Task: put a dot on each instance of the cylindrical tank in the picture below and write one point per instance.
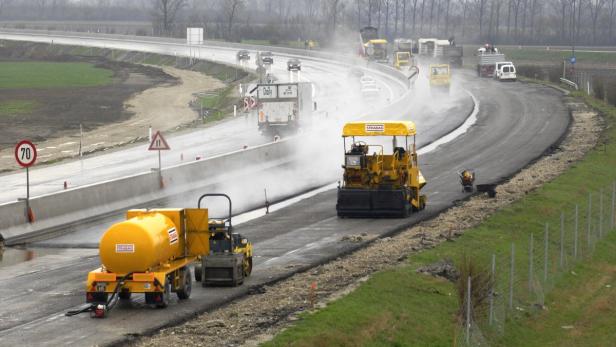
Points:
(140, 243)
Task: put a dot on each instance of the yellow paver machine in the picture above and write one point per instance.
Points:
(379, 181)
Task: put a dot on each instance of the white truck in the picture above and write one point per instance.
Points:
(283, 107)
(486, 63)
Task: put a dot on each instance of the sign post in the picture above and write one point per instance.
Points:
(159, 144)
(25, 155)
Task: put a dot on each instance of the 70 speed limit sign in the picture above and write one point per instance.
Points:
(25, 153)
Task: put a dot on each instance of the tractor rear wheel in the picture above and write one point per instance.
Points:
(198, 273)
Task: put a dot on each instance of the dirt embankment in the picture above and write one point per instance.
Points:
(121, 112)
(258, 317)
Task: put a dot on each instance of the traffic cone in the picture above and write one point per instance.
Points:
(30, 215)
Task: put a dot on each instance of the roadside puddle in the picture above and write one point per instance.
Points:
(16, 255)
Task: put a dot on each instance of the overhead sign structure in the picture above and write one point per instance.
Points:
(25, 154)
(159, 144)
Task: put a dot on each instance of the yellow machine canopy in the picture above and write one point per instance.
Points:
(378, 41)
(379, 128)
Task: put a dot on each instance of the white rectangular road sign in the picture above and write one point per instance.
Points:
(267, 92)
(287, 91)
(194, 36)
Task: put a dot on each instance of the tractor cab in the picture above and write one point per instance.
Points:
(381, 172)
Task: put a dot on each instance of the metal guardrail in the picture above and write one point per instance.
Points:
(569, 83)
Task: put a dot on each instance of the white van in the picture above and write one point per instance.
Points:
(507, 73)
(498, 66)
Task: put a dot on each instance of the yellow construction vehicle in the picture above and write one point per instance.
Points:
(373, 47)
(375, 183)
(403, 60)
(440, 76)
(151, 252)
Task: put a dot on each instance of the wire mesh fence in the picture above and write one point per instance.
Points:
(526, 271)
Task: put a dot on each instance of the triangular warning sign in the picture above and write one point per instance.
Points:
(158, 143)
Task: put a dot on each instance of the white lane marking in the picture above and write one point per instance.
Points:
(472, 119)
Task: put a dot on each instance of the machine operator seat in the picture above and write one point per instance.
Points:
(358, 148)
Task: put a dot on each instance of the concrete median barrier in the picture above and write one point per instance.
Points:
(59, 210)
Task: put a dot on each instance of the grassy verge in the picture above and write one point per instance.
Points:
(218, 103)
(17, 107)
(582, 308)
(14, 75)
(540, 54)
(402, 307)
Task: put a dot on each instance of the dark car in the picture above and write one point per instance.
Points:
(267, 58)
(356, 72)
(243, 55)
(294, 65)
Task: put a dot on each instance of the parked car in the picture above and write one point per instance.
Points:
(294, 65)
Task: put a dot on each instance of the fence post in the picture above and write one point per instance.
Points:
(601, 213)
(612, 221)
(511, 274)
(545, 253)
(575, 233)
(491, 317)
(530, 264)
(562, 239)
(589, 219)
(468, 310)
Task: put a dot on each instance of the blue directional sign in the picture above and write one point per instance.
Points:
(573, 60)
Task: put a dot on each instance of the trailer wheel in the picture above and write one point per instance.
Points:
(184, 292)
(165, 295)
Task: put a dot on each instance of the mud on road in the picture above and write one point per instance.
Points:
(268, 310)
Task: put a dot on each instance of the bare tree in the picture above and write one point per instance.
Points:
(231, 9)
(611, 21)
(414, 14)
(595, 7)
(3, 4)
(165, 12)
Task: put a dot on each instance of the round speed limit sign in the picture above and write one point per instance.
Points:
(25, 153)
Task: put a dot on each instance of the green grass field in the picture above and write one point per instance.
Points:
(17, 107)
(542, 55)
(403, 308)
(25, 75)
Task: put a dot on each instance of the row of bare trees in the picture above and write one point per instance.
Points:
(499, 21)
